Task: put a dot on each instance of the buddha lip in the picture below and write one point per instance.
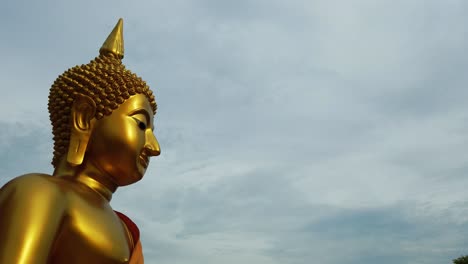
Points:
(144, 160)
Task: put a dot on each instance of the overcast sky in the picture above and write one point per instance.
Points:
(292, 132)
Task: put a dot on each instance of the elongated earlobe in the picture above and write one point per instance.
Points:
(82, 115)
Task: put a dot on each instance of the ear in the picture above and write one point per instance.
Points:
(82, 123)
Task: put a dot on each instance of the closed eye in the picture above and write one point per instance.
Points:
(141, 114)
(140, 124)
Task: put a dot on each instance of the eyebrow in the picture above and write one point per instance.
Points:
(143, 112)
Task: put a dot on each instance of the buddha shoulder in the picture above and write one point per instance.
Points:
(31, 204)
(33, 185)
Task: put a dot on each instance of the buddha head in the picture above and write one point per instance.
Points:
(102, 114)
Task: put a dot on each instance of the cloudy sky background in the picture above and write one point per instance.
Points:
(292, 132)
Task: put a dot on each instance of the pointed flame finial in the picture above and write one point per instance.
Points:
(114, 42)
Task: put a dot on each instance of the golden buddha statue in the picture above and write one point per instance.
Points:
(102, 119)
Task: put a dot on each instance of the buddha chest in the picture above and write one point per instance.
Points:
(91, 232)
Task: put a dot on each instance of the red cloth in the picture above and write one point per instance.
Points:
(137, 254)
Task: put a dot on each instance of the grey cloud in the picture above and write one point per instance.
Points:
(25, 148)
(362, 235)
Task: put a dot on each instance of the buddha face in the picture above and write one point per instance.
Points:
(121, 144)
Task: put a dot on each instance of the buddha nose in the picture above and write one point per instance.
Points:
(152, 145)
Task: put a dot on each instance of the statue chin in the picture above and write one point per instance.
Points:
(103, 120)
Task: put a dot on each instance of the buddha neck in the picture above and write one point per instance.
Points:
(89, 175)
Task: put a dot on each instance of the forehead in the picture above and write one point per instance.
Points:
(134, 102)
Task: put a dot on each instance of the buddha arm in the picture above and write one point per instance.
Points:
(31, 210)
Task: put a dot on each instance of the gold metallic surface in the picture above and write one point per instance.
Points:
(102, 117)
(105, 80)
(114, 43)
